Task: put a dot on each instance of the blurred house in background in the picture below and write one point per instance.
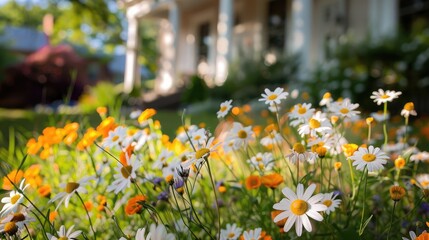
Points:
(204, 36)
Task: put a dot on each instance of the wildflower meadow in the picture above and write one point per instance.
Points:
(287, 171)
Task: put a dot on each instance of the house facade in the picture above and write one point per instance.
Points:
(204, 36)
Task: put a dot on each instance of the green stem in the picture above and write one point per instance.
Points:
(87, 213)
(352, 177)
(363, 201)
(216, 199)
(406, 132)
(391, 219)
(385, 124)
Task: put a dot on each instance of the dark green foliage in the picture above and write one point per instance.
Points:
(248, 77)
(196, 90)
(356, 69)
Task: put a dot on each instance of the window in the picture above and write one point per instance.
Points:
(414, 13)
(203, 42)
(276, 25)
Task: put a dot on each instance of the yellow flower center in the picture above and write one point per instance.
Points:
(272, 97)
(258, 159)
(327, 203)
(223, 108)
(242, 134)
(71, 186)
(344, 110)
(10, 228)
(126, 171)
(302, 110)
(299, 148)
(115, 138)
(385, 96)
(200, 153)
(18, 217)
(198, 137)
(63, 238)
(327, 95)
(368, 157)
(261, 166)
(231, 235)
(299, 207)
(424, 183)
(409, 106)
(314, 123)
(15, 198)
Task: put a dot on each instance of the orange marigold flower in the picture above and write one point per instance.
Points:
(423, 236)
(44, 191)
(349, 149)
(106, 126)
(253, 182)
(235, 110)
(396, 193)
(134, 205)
(70, 138)
(337, 166)
(46, 152)
(32, 176)
(88, 139)
(102, 202)
(52, 216)
(71, 127)
(280, 223)
(33, 146)
(272, 180)
(102, 111)
(88, 205)
(146, 114)
(126, 154)
(400, 163)
(15, 176)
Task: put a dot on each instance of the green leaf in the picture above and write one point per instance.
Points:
(364, 225)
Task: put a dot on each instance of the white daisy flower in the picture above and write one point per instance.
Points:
(330, 202)
(181, 135)
(273, 138)
(274, 108)
(372, 158)
(297, 208)
(273, 97)
(301, 113)
(412, 236)
(135, 114)
(252, 234)
(159, 232)
(231, 232)
(241, 135)
(14, 223)
(224, 109)
(70, 189)
(423, 180)
(229, 146)
(262, 161)
(125, 175)
(420, 157)
(382, 96)
(344, 108)
(12, 202)
(408, 110)
(162, 159)
(299, 153)
(62, 234)
(379, 116)
(318, 124)
(326, 99)
(201, 152)
(115, 138)
(199, 137)
(140, 235)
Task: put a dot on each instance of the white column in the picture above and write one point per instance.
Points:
(224, 39)
(169, 41)
(132, 68)
(300, 32)
(383, 18)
